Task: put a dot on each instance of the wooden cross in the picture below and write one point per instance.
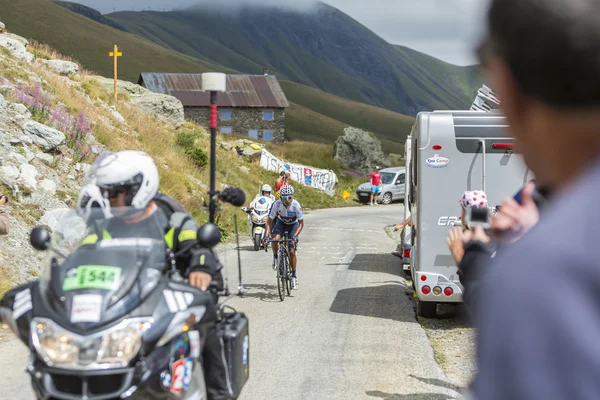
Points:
(115, 53)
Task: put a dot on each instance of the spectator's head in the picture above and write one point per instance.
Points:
(475, 199)
(543, 60)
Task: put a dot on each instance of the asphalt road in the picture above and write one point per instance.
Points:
(349, 332)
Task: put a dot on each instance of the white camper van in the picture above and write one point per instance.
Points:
(453, 151)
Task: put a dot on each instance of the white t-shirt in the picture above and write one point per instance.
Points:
(288, 216)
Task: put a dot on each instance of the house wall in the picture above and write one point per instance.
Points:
(242, 121)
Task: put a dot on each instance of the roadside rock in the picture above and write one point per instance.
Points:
(128, 87)
(9, 175)
(18, 38)
(48, 138)
(28, 175)
(63, 67)
(252, 153)
(48, 185)
(16, 48)
(359, 151)
(164, 107)
(20, 110)
(47, 158)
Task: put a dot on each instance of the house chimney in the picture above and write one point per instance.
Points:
(265, 71)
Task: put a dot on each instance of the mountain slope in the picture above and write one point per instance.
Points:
(324, 48)
(89, 42)
(90, 13)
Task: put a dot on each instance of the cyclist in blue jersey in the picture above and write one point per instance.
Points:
(289, 220)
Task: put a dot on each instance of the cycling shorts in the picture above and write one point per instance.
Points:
(280, 228)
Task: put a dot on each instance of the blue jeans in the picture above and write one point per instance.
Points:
(280, 228)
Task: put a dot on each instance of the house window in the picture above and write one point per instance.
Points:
(268, 115)
(226, 130)
(253, 134)
(267, 135)
(225, 115)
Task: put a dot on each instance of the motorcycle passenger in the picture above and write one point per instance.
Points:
(129, 180)
(290, 221)
(264, 192)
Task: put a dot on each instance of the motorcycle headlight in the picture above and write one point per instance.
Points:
(113, 347)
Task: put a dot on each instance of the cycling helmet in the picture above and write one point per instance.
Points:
(287, 190)
(266, 188)
(131, 170)
(91, 201)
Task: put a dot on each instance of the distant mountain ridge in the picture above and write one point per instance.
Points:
(325, 49)
(90, 13)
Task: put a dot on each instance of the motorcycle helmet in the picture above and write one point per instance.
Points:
(266, 188)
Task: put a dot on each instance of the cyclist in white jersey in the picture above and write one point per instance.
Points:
(290, 220)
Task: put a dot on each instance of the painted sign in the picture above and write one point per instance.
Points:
(437, 162)
(316, 178)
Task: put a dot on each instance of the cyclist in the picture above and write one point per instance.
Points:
(290, 221)
(264, 192)
(125, 184)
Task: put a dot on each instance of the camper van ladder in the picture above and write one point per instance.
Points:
(482, 142)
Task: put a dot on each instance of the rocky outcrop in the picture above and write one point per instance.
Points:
(61, 67)
(16, 47)
(48, 138)
(359, 151)
(161, 106)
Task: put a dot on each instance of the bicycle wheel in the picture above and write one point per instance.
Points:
(281, 278)
(288, 274)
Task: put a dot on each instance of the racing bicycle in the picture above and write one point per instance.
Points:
(284, 268)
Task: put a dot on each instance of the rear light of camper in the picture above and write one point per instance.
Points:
(437, 290)
(423, 278)
(407, 253)
(448, 291)
(437, 147)
(426, 289)
(502, 146)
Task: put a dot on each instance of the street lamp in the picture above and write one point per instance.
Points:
(213, 82)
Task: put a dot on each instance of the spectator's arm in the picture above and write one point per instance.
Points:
(476, 257)
(4, 225)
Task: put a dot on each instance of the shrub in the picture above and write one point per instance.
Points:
(198, 155)
(186, 139)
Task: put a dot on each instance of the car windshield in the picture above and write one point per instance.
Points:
(387, 178)
(118, 256)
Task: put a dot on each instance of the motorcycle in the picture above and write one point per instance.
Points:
(257, 221)
(112, 318)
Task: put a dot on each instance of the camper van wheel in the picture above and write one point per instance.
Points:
(426, 309)
(387, 198)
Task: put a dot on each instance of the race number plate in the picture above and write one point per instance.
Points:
(93, 277)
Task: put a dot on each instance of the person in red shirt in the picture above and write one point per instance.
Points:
(375, 186)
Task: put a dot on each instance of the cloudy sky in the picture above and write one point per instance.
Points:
(446, 29)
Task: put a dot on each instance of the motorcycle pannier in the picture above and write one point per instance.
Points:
(237, 349)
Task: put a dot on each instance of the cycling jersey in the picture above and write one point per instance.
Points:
(289, 215)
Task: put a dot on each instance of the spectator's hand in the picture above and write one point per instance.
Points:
(513, 220)
(456, 238)
(201, 280)
(478, 234)
(3, 199)
(397, 227)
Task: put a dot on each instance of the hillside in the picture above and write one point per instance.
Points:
(89, 42)
(324, 48)
(90, 13)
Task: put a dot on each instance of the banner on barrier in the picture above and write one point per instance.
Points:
(317, 178)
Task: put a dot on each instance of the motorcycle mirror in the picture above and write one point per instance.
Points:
(39, 238)
(209, 235)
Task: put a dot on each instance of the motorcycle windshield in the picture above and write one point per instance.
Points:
(103, 263)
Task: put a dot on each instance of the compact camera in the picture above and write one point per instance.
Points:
(475, 217)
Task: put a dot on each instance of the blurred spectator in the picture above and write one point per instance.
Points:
(538, 314)
(4, 221)
(376, 186)
(400, 226)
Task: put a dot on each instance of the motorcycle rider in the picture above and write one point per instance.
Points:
(291, 221)
(264, 192)
(130, 179)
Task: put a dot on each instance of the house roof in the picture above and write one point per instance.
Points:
(242, 90)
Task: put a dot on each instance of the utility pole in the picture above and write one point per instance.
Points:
(115, 53)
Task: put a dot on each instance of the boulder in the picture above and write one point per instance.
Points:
(48, 185)
(16, 48)
(19, 109)
(48, 138)
(47, 158)
(65, 221)
(359, 151)
(117, 115)
(9, 175)
(61, 67)
(251, 153)
(18, 158)
(127, 87)
(18, 38)
(162, 106)
(2, 27)
(28, 175)
(226, 146)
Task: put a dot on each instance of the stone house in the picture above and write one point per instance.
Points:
(253, 105)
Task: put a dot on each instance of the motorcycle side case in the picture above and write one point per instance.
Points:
(237, 349)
